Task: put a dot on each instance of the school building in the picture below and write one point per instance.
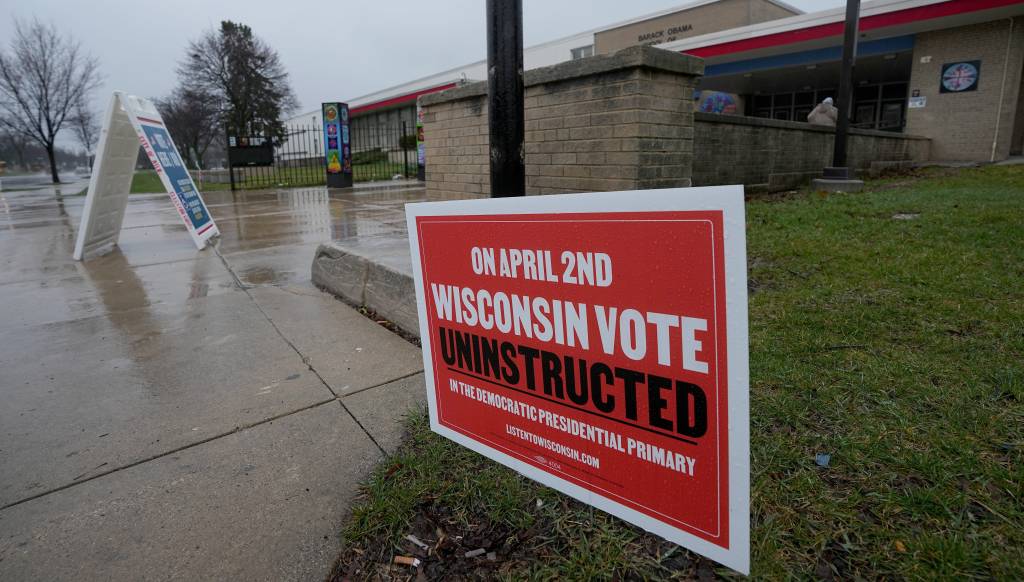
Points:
(948, 70)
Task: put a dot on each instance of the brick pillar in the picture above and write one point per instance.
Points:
(616, 122)
(456, 145)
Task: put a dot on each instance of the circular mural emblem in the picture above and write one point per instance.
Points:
(331, 112)
(959, 77)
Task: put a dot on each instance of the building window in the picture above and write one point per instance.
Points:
(583, 52)
(877, 106)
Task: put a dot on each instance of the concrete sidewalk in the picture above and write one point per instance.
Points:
(169, 413)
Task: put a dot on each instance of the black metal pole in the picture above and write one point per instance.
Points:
(506, 123)
(845, 96)
(403, 143)
(231, 168)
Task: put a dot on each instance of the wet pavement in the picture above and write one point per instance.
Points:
(371, 265)
(174, 413)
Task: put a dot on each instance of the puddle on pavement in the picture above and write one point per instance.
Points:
(261, 276)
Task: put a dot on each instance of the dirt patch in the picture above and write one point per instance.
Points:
(444, 549)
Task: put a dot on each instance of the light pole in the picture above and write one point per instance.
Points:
(839, 177)
(505, 117)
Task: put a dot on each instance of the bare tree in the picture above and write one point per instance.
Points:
(42, 77)
(244, 74)
(193, 118)
(86, 127)
(16, 144)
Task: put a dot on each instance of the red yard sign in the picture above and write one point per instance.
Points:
(598, 344)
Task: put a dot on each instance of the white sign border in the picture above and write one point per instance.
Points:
(135, 109)
(728, 200)
(142, 112)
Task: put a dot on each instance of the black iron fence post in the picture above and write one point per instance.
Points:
(403, 143)
(227, 149)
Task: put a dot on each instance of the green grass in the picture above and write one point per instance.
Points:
(282, 177)
(896, 346)
(380, 170)
(147, 182)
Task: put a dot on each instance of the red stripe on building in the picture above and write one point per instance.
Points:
(205, 228)
(148, 120)
(398, 100)
(951, 8)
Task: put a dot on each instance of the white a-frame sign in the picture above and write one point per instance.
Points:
(129, 121)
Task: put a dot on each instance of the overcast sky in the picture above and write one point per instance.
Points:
(332, 50)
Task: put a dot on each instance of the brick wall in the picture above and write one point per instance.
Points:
(626, 122)
(455, 140)
(616, 122)
(776, 155)
(963, 125)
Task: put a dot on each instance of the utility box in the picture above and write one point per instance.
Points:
(250, 150)
(337, 146)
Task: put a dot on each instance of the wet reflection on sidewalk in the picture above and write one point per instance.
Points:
(157, 325)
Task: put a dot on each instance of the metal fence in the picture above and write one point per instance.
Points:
(383, 152)
(295, 160)
(379, 152)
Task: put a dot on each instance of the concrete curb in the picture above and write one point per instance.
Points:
(364, 282)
